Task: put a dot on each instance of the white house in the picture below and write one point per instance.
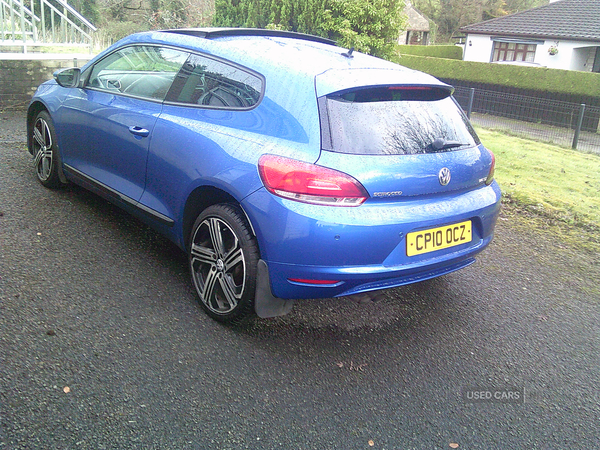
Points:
(562, 35)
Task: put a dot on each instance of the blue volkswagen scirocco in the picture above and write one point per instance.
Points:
(286, 167)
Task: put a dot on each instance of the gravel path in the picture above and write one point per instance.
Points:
(103, 346)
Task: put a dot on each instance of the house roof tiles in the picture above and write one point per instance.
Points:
(563, 19)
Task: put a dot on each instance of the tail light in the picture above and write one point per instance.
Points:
(490, 176)
(309, 183)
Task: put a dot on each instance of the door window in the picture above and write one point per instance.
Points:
(141, 71)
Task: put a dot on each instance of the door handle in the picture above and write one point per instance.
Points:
(139, 131)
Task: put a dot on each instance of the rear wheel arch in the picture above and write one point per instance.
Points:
(201, 198)
(223, 257)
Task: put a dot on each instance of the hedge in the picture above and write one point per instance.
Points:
(520, 77)
(436, 51)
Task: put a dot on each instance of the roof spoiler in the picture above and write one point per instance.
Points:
(211, 33)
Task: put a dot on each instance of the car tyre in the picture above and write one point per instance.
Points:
(223, 258)
(45, 150)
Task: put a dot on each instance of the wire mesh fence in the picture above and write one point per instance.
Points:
(558, 122)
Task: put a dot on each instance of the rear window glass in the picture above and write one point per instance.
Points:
(394, 121)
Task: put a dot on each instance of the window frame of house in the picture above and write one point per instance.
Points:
(513, 51)
(527, 48)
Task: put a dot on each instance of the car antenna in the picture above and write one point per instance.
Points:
(349, 54)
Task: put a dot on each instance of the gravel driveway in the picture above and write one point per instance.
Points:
(103, 346)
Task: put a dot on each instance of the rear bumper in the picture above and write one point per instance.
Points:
(363, 249)
(354, 280)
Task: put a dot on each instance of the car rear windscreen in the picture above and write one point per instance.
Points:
(394, 120)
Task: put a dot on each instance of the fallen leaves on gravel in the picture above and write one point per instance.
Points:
(351, 366)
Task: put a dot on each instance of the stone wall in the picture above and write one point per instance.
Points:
(19, 78)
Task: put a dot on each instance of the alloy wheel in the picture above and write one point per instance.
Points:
(218, 265)
(42, 149)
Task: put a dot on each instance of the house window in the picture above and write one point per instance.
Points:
(512, 51)
(416, 37)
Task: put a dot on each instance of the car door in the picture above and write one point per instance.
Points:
(108, 124)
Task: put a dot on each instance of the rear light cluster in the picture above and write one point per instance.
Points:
(490, 176)
(309, 183)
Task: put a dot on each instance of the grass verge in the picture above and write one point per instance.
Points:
(550, 180)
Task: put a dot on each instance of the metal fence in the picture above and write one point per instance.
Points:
(28, 24)
(558, 122)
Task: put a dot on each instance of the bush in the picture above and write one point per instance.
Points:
(370, 26)
(520, 77)
(436, 51)
(112, 31)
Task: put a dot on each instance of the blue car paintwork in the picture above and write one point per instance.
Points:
(367, 235)
(387, 173)
(96, 138)
(334, 80)
(188, 148)
(361, 245)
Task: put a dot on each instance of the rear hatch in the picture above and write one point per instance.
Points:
(402, 140)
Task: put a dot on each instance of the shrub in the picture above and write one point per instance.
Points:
(112, 31)
(436, 51)
(521, 77)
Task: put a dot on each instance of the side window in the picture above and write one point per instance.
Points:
(206, 82)
(140, 70)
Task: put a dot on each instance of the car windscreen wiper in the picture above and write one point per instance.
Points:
(442, 144)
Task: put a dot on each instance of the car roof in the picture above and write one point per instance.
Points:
(276, 53)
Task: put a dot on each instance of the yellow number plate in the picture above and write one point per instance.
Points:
(426, 241)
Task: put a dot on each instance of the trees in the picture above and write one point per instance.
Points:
(291, 15)
(87, 8)
(371, 26)
(119, 18)
(449, 15)
(513, 6)
(167, 13)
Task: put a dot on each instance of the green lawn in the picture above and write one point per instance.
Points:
(552, 180)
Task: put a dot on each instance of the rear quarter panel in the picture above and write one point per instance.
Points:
(193, 147)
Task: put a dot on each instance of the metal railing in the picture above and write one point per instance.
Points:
(42, 23)
(563, 123)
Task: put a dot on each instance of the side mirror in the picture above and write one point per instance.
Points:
(68, 78)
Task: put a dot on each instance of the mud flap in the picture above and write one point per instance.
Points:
(265, 304)
(61, 174)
